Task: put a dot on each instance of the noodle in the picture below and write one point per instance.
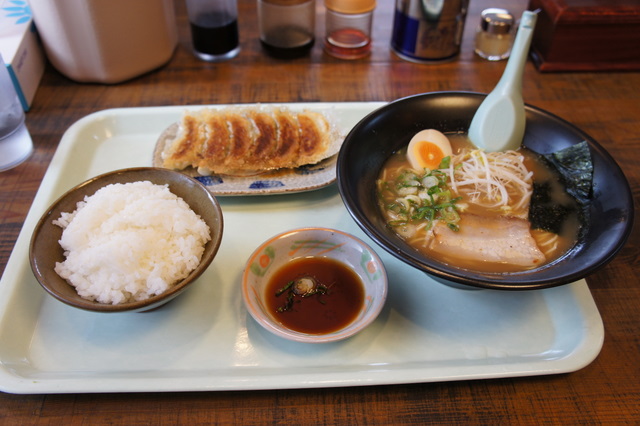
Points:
(547, 241)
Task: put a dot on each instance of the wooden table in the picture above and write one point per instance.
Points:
(605, 105)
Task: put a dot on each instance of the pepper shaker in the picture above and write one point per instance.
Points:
(494, 35)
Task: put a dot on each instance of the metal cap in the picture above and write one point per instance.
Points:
(496, 21)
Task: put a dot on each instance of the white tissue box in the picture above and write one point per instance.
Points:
(20, 49)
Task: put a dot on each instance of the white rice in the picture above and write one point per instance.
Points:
(128, 242)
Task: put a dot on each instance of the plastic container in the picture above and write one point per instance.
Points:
(106, 41)
(494, 35)
(348, 28)
(15, 142)
(287, 27)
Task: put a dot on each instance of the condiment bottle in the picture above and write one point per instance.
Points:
(214, 29)
(494, 35)
(348, 28)
(287, 27)
(428, 31)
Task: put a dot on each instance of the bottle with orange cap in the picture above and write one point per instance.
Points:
(348, 28)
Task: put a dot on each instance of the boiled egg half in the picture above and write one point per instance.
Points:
(427, 149)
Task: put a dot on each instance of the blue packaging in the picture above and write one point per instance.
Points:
(428, 30)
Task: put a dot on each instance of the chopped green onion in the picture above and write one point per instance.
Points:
(422, 198)
(285, 288)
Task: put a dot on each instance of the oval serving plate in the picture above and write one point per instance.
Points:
(281, 181)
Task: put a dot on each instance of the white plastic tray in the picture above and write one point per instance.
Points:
(205, 339)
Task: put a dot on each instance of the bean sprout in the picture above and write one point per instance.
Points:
(495, 180)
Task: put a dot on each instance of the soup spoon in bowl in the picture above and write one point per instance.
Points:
(499, 122)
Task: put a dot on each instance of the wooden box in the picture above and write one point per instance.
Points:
(586, 35)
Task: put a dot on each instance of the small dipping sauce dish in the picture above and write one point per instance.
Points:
(314, 285)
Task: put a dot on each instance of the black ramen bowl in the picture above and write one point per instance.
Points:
(389, 128)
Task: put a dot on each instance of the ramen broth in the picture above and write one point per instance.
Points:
(551, 244)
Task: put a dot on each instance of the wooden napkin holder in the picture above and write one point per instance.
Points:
(586, 35)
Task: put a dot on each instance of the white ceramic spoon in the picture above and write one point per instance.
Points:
(499, 122)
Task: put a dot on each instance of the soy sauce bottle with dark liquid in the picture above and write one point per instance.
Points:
(287, 27)
(214, 29)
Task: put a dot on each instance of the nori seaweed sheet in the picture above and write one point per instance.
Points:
(574, 169)
(545, 213)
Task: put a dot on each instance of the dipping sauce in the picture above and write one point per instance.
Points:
(315, 295)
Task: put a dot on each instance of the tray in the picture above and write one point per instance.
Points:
(205, 340)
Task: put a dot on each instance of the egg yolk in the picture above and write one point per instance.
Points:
(429, 154)
(427, 149)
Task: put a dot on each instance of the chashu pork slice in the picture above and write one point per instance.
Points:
(505, 240)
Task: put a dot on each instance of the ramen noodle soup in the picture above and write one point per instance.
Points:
(472, 210)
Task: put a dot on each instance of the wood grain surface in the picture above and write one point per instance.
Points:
(605, 105)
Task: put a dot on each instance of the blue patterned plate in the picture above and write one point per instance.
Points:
(305, 178)
(300, 179)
